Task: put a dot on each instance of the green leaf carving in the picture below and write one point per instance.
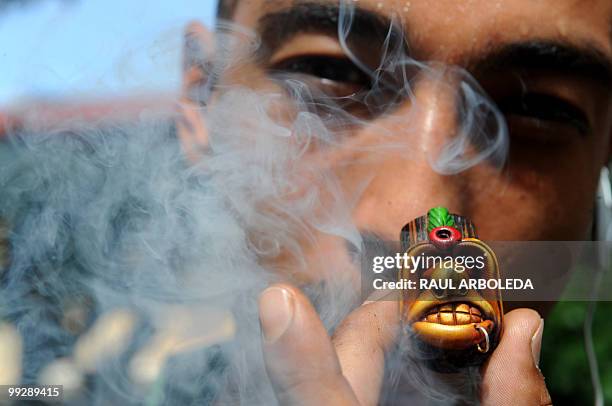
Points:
(439, 216)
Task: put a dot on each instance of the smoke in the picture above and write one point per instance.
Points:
(134, 273)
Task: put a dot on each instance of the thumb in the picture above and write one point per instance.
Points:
(511, 376)
(300, 359)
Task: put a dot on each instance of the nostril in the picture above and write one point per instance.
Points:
(444, 237)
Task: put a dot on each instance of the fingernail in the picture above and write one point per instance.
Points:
(536, 343)
(275, 312)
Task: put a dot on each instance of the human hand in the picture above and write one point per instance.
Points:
(308, 367)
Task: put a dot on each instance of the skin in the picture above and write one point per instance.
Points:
(551, 173)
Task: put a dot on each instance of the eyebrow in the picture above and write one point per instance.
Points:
(315, 17)
(586, 61)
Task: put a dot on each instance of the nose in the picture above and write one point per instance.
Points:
(406, 182)
(450, 282)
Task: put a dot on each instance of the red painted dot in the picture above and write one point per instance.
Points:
(444, 237)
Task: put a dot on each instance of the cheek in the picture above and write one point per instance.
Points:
(543, 197)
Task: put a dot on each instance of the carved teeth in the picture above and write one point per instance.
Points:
(453, 314)
(462, 318)
(446, 307)
(463, 307)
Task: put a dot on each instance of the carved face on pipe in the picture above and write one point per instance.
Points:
(453, 323)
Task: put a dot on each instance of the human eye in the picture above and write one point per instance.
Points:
(540, 114)
(335, 77)
(544, 109)
(331, 86)
(334, 80)
(336, 84)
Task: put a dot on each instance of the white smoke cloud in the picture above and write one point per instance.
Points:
(167, 257)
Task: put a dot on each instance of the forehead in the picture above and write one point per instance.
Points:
(450, 29)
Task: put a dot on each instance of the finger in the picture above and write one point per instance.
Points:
(361, 342)
(511, 376)
(300, 358)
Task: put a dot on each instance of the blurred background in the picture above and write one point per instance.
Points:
(95, 58)
(564, 358)
(54, 49)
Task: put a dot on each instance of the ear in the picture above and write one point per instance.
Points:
(197, 56)
(198, 52)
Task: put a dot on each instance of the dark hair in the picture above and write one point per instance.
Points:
(226, 9)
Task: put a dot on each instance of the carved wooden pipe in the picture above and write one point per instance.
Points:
(451, 326)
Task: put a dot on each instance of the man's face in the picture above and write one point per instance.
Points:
(546, 64)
